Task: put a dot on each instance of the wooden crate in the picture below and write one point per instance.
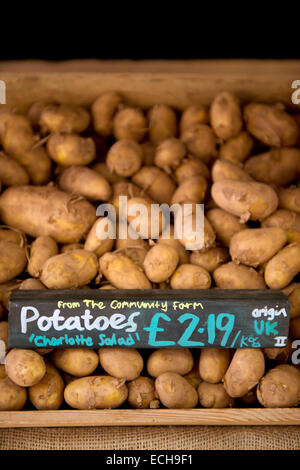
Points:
(178, 84)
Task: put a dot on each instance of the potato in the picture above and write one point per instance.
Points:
(124, 364)
(283, 267)
(143, 220)
(289, 198)
(255, 246)
(71, 149)
(35, 111)
(24, 367)
(189, 276)
(238, 276)
(11, 172)
(189, 168)
(4, 333)
(210, 259)
(280, 387)
(192, 189)
(112, 178)
(12, 260)
(6, 290)
(247, 200)
(48, 394)
(271, 125)
(130, 123)
(122, 273)
(170, 240)
(136, 250)
(192, 115)
(213, 364)
(189, 226)
(96, 392)
(64, 118)
(18, 141)
(130, 190)
(85, 182)
(214, 395)
(170, 360)
(124, 158)
(69, 270)
(225, 170)
(201, 142)
(78, 362)
(12, 235)
(12, 396)
(237, 148)
(42, 249)
(31, 284)
(160, 262)
(162, 123)
(156, 183)
(45, 210)
(169, 154)
(250, 398)
(141, 393)
(279, 355)
(175, 392)
(193, 377)
(246, 369)
(286, 220)
(103, 110)
(97, 240)
(293, 293)
(107, 287)
(224, 224)
(277, 166)
(226, 115)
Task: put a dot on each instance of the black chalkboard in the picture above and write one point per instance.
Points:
(148, 319)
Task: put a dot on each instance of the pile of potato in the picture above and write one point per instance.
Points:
(59, 162)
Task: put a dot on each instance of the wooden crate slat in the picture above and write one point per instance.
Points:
(217, 417)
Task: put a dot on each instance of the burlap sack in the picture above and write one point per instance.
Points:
(153, 438)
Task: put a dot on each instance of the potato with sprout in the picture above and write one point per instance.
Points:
(71, 149)
(169, 154)
(64, 118)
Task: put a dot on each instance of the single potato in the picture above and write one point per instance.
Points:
(123, 363)
(96, 392)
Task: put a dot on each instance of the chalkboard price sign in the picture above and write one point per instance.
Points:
(148, 319)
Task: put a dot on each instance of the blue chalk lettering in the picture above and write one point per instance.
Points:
(184, 340)
(153, 329)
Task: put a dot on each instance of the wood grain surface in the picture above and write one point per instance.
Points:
(178, 84)
(216, 417)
